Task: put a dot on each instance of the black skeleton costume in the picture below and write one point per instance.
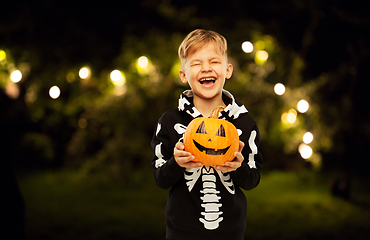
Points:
(205, 203)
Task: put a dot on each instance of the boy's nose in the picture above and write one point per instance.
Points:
(206, 67)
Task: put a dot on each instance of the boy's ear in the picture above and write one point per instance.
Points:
(229, 71)
(183, 76)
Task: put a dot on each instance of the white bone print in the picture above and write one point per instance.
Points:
(227, 181)
(211, 200)
(211, 215)
(191, 175)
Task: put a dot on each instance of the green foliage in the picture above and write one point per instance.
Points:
(118, 130)
(299, 206)
(286, 205)
(110, 126)
(69, 205)
(97, 124)
(41, 144)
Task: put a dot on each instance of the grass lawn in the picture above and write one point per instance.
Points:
(286, 205)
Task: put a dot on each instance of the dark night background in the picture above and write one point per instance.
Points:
(55, 36)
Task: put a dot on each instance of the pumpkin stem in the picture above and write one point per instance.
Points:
(216, 112)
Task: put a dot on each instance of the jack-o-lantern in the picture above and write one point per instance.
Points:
(211, 141)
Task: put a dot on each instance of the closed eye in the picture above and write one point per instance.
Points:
(194, 64)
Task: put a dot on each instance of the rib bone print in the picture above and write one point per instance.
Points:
(210, 198)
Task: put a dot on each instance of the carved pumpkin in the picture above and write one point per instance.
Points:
(212, 141)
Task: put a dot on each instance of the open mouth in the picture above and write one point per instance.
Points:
(211, 151)
(209, 80)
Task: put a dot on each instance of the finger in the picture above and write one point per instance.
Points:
(183, 154)
(234, 164)
(241, 146)
(184, 161)
(180, 146)
(238, 157)
(224, 168)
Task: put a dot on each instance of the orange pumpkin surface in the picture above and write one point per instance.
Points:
(212, 141)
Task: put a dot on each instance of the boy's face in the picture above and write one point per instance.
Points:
(206, 70)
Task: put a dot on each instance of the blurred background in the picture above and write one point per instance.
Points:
(82, 85)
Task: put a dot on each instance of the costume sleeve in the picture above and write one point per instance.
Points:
(166, 170)
(248, 175)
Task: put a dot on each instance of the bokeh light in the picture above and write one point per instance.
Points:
(305, 151)
(12, 90)
(260, 44)
(2, 55)
(118, 78)
(263, 55)
(247, 47)
(82, 123)
(84, 73)
(289, 117)
(70, 77)
(292, 116)
(16, 76)
(307, 137)
(303, 106)
(54, 92)
(115, 75)
(279, 89)
(143, 62)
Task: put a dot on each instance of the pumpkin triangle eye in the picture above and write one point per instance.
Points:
(221, 131)
(202, 128)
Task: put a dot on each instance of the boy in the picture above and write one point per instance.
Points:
(205, 202)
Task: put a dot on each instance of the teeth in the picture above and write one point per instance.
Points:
(207, 79)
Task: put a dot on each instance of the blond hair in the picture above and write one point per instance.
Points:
(199, 38)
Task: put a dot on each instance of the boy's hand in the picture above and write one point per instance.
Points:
(183, 158)
(236, 163)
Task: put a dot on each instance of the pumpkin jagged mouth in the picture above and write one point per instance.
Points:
(211, 151)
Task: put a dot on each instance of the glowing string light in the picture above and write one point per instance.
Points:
(262, 55)
(118, 78)
(115, 75)
(247, 47)
(16, 76)
(292, 116)
(279, 89)
(289, 117)
(305, 151)
(84, 73)
(143, 62)
(303, 106)
(307, 137)
(54, 92)
(2, 55)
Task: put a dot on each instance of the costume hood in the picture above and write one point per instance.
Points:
(232, 111)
